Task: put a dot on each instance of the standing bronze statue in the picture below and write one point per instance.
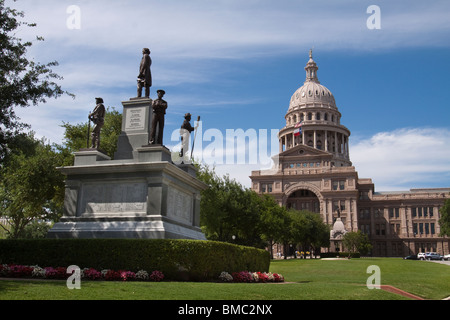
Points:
(185, 133)
(145, 75)
(98, 118)
(159, 110)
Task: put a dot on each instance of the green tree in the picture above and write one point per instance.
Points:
(357, 242)
(444, 220)
(307, 230)
(229, 212)
(31, 188)
(23, 82)
(274, 221)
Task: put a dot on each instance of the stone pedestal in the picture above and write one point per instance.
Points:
(139, 194)
(136, 122)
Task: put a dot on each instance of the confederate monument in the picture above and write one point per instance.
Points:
(141, 193)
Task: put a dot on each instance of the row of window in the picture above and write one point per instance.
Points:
(394, 213)
(303, 165)
(380, 228)
(422, 212)
(423, 228)
(309, 116)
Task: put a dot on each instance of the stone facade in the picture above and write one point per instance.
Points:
(313, 172)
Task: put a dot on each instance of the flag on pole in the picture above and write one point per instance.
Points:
(298, 129)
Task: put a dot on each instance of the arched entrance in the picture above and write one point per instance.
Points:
(303, 196)
(303, 199)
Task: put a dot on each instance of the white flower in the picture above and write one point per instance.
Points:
(38, 272)
(226, 277)
(142, 275)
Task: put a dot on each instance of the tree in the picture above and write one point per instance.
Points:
(229, 212)
(307, 230)
(444, 220)
(31, 188)
(357, 242)
(22, 82)
(274, 221)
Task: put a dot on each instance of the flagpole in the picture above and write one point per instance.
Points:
(195, 135)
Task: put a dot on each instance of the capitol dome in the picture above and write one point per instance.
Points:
(312, 91)
(314, 120)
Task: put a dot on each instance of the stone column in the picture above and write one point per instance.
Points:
(315, 139)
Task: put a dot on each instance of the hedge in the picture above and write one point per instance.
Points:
(340, 254)
(192, 260)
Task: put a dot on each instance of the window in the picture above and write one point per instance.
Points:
(364, 195)
(395, 228)
(339, 185)
(266, 187)
(318, 116)
(394, 212)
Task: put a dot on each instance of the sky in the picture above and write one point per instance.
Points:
(237, 63)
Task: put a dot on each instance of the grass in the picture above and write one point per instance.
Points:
(305, 280)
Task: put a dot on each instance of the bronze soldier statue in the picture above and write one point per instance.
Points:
(145, 75)
(159, 110)
(98, 118)
(185, 133)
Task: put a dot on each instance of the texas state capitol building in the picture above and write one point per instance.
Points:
(314, 173)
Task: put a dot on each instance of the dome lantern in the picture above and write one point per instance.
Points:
(311, 70)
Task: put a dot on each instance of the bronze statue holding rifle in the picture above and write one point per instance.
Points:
(98, 118)
(185, 133)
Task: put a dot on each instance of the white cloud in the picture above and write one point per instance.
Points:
(404, 158)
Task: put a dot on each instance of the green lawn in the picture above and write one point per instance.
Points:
(305, 280)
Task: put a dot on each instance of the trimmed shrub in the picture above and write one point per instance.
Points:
(192, 260)
(340, 254)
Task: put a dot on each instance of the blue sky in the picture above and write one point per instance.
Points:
(237, 63)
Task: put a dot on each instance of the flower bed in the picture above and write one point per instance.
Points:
(19, 271)
(248, 277)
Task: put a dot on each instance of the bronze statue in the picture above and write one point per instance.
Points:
(159, 110)
(98, 118)
(145, 75)
(185, 132)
